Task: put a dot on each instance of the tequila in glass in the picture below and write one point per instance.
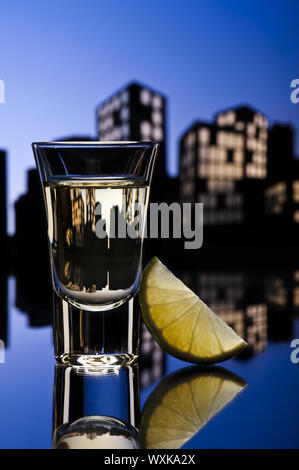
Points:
(95, 229)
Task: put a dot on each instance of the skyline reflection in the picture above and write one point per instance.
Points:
(260, 307)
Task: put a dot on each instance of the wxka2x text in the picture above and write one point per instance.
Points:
(171, 459)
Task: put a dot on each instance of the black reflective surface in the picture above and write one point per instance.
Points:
(261, 306)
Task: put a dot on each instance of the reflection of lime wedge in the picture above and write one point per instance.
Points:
(181, 323)
(183, 402)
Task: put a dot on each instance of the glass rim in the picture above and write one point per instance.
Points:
(96, 144)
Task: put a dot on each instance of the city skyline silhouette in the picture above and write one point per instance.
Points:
(260, 190)
(254, 182)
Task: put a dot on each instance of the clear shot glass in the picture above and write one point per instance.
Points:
(96, 197)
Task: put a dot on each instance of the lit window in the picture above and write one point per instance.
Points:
(102, 125)
(213, 153)
(190, 139)
(226, 119)
(257, 329)
(204, 135)
(251, 144)
(221, 138)
(235, 319)
(117, 133)
(221, 120)
(145, 96)
(145, 130)
(239, 126)
(204, 153)
(251, 129)
(157, 101)
(261, 145)
(115, 104)
(158, 133)
(221, 155)
(238, 156)
(260, 120)
(275, 198)
(219, 186)
(296, 191)
(230, 117)
(108, 108)
(109, 122)
(296, 296)
(124, 113)
(239, 141)
(124, 97)
(157, 117)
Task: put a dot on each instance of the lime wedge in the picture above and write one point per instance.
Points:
(181, 323)
(183, 403)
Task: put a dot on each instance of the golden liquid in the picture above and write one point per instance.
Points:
(90, 272)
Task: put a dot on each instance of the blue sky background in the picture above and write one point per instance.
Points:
(59, 59)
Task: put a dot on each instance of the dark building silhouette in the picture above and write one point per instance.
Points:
(280, 293)
(3, 250)
(3, 209)
(3, 309)
(137, 113)
(282, 191)
(173, 189)
(75, 138)
(32, 267)
(30, 220)
(33, 285)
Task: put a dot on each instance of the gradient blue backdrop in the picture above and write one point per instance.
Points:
(59, 59)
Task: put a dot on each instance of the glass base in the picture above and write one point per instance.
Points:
(95, 339)
(97, 360)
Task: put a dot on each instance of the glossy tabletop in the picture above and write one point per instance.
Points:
(252, 402)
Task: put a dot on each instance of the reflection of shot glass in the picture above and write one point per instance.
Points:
(96, 408)
(96, 196)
